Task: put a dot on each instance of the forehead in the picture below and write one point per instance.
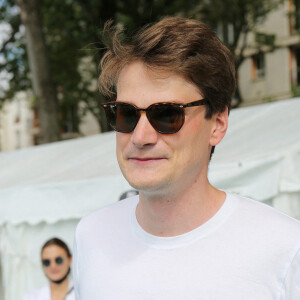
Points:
(53, 251)
(136, 80)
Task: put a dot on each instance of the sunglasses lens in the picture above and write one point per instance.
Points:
(166, 118)
(59, 260)
(46, 262)
(122, 117)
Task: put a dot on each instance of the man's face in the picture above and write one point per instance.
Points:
(163, 163)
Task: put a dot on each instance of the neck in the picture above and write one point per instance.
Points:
(177, 213)
(59, 288)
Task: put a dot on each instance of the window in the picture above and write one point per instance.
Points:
(225, 32)
(258, 66)
(296, 55)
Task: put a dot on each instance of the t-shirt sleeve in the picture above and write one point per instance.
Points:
(291, 285)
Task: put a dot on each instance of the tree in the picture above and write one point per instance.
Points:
(72, 31)
(43, 85)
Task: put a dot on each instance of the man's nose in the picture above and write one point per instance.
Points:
(144, 134)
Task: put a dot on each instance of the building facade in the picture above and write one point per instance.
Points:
(19, 124)
(266, 75)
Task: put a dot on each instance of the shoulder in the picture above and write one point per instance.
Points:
(265, 211)
(266, 219)
(107, 213)
(109, 217)
(42, 293)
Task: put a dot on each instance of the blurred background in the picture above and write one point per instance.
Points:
(50, 52)
(49, 99)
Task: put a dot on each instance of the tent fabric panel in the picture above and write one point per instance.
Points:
(257, 179)
(65, 161)
(20, 262)
(54, 202)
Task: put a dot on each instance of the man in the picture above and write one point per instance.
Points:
(181, 238)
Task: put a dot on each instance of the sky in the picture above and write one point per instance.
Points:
(4, 31)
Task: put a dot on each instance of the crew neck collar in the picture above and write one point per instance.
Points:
(187, 238)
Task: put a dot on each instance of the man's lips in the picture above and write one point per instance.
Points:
(145, 159)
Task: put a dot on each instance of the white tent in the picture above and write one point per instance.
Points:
(45, 190)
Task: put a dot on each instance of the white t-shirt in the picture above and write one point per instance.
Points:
(44, 293)
(247, 251)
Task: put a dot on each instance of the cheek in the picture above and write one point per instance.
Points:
(119, 147)
(66, 264)
(194, 143)
(121, 141)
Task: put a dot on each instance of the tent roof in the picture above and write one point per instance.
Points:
(260, 131)
(259, 157)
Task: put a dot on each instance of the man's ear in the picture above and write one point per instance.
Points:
(219, 128)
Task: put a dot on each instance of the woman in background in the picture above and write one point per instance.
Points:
(56, 261)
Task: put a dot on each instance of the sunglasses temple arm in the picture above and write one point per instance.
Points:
(196, 103)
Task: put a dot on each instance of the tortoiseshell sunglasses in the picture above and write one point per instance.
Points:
(165, 117)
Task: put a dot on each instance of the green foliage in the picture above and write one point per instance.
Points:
(72, 31)
(265, 39)
(269, 99)
(295, 90)
(13, 51)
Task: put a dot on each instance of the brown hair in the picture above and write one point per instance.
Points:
(187, 46)
(59, 243)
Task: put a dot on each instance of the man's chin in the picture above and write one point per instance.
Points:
(147, 187)
(146, 180)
